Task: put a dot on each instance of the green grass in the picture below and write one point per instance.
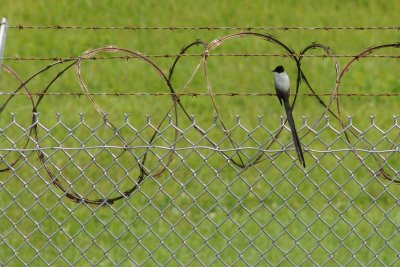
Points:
(198, 211)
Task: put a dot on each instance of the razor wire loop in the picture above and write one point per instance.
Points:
(177, 102)
(347, 67)
(143, 172)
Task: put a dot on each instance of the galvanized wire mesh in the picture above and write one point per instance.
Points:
(198, 194)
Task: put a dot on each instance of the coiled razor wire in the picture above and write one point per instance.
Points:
(331, 107)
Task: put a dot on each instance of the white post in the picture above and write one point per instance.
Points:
(3, 32)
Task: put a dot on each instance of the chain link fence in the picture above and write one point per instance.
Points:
(200, 193)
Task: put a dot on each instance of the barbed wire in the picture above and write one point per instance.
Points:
(202, 28)
(192, 94)
(17, 58)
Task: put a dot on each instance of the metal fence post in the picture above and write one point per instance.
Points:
(3, 33)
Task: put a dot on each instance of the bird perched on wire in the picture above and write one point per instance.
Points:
(282, 87)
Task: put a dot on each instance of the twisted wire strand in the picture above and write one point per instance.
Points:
(202, 28)
(27, 58)
(194, 94)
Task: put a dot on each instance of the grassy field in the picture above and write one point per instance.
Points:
(203, 210)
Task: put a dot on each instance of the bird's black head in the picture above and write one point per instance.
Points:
(279, 69)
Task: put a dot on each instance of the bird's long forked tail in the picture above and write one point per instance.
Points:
(296, 140)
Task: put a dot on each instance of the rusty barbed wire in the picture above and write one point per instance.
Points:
(192, 94)
(206, 28)
(18, 58)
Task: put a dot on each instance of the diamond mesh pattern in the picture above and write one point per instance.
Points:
(217, 196)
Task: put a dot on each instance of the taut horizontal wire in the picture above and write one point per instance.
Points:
(197, 55)
(192, 94)
(171, 148)
(207, 28)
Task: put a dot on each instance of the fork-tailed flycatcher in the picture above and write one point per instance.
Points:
(282, 87)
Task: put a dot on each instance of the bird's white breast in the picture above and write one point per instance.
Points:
(282, 82)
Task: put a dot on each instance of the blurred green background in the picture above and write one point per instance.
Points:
(199, 212)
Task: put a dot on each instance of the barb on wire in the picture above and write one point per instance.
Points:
(202, 28)
(25, 58)
(233, 93)
(239, 159)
